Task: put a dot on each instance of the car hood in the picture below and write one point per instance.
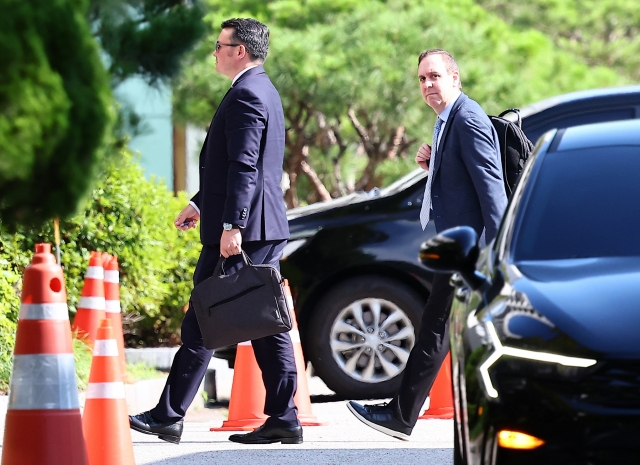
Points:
(329, 205)
(594, 301)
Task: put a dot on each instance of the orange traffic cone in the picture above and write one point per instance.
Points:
(92, 304)
(302, 398)
(246, 405)
(112, 305)
(105, 257)
(43, 424)
(441, 395)
(104, 421)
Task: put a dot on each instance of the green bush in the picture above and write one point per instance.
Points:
(9, 306)
(54, 109)
(127, 216)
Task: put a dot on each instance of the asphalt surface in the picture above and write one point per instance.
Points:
(343, 440)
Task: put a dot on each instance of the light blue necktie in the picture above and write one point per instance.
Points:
(426, 201)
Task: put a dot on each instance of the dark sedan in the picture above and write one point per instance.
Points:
(545, 322)
(353, 267)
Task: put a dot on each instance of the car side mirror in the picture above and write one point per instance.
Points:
(455, 250)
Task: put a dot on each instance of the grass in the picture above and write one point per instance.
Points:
(82, 355)
(140, 371)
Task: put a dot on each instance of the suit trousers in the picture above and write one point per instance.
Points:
(427, 355)
(274, 354)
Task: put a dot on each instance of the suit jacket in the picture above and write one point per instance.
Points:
(241, 163)
(467, 187)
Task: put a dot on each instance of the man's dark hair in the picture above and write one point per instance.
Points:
(252, 34)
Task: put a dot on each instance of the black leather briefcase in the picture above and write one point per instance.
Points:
(246, 305)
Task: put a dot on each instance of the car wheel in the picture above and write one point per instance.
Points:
(360, 336)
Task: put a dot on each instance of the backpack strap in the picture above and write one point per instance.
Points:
(512, 110)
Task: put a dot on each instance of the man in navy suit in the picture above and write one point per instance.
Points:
(239, 206)
(465, 187)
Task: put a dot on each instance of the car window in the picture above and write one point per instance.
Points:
(506, 224)
(583, 203)
(582, 116)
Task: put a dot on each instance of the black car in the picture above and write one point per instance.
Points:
(545, 321)
(354, 270)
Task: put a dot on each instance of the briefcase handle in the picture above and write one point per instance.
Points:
(219, 269)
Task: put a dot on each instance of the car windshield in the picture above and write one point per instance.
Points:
(583, 203)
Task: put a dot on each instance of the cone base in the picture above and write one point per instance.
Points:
(445, 413)
(240, 425)
(310, 420)
(251, 424)
(248, 393)
(106, 430)
(35, 437)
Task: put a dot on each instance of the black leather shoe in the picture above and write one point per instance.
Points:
(268, 435)
(145, 423)
(380, 417)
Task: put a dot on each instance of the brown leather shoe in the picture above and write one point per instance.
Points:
(268, 435)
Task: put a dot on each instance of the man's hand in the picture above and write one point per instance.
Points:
(230, 243)
(423, 156)
(187, 218)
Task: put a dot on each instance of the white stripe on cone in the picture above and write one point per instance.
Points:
(94, 272)
(106, 390)
(112, 276)
(92, 303)
(112, 306)
(43, 382)
(105, 348)
(51, 311)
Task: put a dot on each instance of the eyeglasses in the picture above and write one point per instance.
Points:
(219, 45)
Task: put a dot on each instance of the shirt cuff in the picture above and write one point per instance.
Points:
(194, 206)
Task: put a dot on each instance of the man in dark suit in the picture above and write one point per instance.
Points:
(239, 205)
(465, 187)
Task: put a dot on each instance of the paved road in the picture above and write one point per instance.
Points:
(343, 440)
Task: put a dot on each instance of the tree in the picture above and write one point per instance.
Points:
(146, 38)
(54, 99)
(603, 32)
(349, 85)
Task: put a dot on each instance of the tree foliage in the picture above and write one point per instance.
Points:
(54, 102)
(128, 216)
(346, 74)
(146, 38)
(603, 32)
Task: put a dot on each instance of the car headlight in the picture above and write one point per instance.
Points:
(499, 330)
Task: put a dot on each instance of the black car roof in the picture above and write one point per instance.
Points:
(625, 132)
(623, 92)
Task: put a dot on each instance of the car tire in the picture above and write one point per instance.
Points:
(359, 372)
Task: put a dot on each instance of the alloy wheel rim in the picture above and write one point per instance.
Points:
(371, 340)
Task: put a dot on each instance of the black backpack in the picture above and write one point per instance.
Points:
(515, 147)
